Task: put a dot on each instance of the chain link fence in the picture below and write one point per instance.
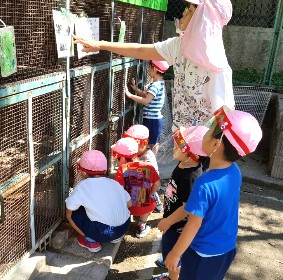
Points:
(252, 39)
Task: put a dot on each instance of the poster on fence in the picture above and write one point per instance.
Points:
(64, 28)
(8, 59)
(87, 28)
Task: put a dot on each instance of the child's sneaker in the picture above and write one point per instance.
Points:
(117, 240)
(163, 276)
(91, 246)
(143, 230)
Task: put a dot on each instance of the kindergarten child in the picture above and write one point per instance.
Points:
(188, 151)
(153, 99)
(207, 243)
(98, 206)
(141, 134)
(139, 179)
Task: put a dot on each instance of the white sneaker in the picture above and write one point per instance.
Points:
(143, 230)
(117, 240)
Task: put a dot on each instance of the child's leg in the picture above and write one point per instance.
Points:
(143, 228)
(196, 267)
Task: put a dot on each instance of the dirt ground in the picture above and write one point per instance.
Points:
(260, 242)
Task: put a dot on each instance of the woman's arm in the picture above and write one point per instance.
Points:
(134, 50)
(72, 223)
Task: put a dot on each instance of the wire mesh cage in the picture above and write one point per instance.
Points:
(99, 141)
(152, 28)
(47, 199)
(35, 39)
(100, 97)
(175, 9)
(80, 87)
(15, 237)
(14, 143)
(47, 127)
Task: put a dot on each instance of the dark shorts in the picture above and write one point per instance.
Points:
(154, 126)
(195, 267)
(96, 230)
(169, 239)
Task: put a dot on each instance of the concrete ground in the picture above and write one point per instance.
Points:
(260, 241)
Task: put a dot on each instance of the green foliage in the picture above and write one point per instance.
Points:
(169, 75)
(247, 75)
(277, 79)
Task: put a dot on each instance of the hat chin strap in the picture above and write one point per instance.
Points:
(217, 146)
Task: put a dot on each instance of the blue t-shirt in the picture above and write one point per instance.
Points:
(153, 109)
(215, 198)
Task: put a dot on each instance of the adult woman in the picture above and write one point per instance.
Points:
(203, 77)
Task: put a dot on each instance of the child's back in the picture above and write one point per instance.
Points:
(104, 200)
(138, 178)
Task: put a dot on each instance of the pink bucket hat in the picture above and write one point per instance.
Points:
(161, 66)
(202, 41)
(93, 162)
(125, 147)
(138, 132)
(189, 140)
(241, 129)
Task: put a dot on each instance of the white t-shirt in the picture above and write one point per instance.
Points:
(104, 200)
(198, 93)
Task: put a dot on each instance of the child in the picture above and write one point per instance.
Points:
(208, 241)
(153, 99)
(98, 206)
(139, 179)
(188, 151)
(141, 134)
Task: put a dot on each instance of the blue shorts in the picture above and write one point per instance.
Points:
(196, 267)
(154, 126)
(169, 239)
(96, 230)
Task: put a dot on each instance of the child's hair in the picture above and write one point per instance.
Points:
(230, 152)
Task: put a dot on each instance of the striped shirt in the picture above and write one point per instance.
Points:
(153, 109)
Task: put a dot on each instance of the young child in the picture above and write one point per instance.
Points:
(208, 241)
(153, 99)
(98, 206)
(188, 151)
(141, 134)
(139, 179)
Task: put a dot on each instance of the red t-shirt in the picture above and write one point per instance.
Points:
(137, 179)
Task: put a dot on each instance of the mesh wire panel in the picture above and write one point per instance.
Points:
(47, 199)
(277, 76)
(15, 231)
(118, 92)
(80, 88)
(35, 39)
(253, 100)
(100, 97)
(175, 9)
(257, 13)
(98, 142)
(129, 120)
(94, 8)
(13, 141)
(132, 16)
(47, 126)
(152, 29)
(74, 176)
